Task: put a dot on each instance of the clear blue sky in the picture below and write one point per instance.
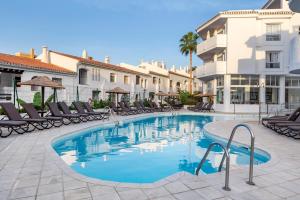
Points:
(126, 30)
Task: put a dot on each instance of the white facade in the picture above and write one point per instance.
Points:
(248, 56)
(89, 78)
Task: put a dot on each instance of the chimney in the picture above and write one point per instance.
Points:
(84, 54)
(45, 55)
(31, 53)
(107, 60)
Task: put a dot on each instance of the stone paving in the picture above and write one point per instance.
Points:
(30, 169)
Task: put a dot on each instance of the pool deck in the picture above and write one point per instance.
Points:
(30, 169)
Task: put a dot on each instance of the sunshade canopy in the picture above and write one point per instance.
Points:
(42, 81)
(173, 94)
(162, 94)
(118, 90)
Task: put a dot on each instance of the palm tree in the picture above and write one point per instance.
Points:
(188, 46)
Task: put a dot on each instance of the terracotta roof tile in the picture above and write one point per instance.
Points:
(100, 64)
(29, 63)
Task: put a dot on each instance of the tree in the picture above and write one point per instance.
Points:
(188, 46)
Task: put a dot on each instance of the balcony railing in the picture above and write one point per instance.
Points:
(217, 41)
(211, 68)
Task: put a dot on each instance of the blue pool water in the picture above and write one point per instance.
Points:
(147, 150)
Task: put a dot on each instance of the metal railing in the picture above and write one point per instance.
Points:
(250, 181)
(225, 155)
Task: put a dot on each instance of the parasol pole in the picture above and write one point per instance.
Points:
(54, 95)
(16, 96)
(43, 100)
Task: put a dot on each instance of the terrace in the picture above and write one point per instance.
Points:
(31, 169)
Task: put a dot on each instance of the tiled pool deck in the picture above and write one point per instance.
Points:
(30, 169)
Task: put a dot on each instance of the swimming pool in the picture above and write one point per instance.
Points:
(147, 150)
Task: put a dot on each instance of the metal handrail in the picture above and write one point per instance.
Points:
(250, 181)
(226, 154)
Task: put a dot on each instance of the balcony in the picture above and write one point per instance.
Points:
(210, 45)
(211, 69)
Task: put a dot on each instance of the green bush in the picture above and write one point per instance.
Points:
(97, 104)
(187, 99)
(37, 100)
(146, 103)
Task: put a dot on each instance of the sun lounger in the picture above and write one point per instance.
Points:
(146, 109)
(68, 118)
(80, 110)
(271, 120)
(281, 127)
(204, 105)
(154, 106)
(33, 114)
(208, 108)
(294, 131)
(125, 110)
(89, 109)
(19, 127)
(116, 109)
(133, 108)
(65, 109)
(197, 106)
(13, 114)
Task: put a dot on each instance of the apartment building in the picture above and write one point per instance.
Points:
(249, 57)
(24, 67)
(86, 76)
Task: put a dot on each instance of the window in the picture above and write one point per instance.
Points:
(220, 81)
(154, 80)
(95, 94)
(126, 80)
(146, 83)
(244, 80)
(272, 95)
(220, 90)
(273, 32)
(82, 76)
(272, 80)
(292, 81)
(113, 77)
(57, 80)
(18, 80)
(244, 95)
(272, 59)
(98, 75)
(171, 84)
(93, 74)
(220, 95)
(137, 80)
(272, 89)
(244, 90)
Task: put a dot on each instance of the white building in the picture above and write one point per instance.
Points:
(248, 56)
(25, 67)
(86, 76)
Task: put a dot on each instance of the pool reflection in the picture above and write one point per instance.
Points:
(145, 151)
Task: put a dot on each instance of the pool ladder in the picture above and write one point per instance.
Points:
(226, 156)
